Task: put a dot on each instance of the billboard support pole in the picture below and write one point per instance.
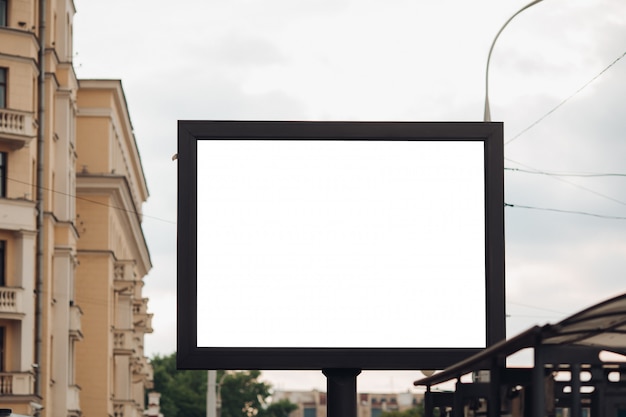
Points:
(341, 389)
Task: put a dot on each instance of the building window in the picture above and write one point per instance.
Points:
(3, 12)
(3, 174)
(3, 257)
(3, 87)
(310, 412)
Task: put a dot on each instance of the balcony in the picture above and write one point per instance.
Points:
(75, 322)
(142, 320)
(143, 323)
(19, 42)
(124, 274)
(16, 383)
(17, 214)
(17, 128)
(123, 343)
(125, 408)
(11, 302)
(140, 306)
(73, 399)
(142, 371)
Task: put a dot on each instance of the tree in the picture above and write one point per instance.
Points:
(280, 408)
(183, 393)
(242, 394)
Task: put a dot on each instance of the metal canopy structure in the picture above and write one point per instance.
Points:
(602, 325)
(572, 345)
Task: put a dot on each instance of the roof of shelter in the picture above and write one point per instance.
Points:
(601, 326)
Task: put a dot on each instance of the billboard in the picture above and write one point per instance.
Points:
(315, 245)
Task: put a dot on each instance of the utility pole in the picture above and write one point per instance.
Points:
(211, 394)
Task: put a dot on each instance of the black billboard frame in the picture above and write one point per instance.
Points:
(190, 356)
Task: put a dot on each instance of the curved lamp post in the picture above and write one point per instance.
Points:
(487, 117)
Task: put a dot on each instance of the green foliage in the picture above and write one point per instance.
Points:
(183, 393)
(242, 394)
(280, 408)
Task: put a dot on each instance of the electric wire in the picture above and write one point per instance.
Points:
(526, 316)
(92, 201)
(557, 178)
(555, 314)
(565, 174)
(602, 216)
(172, 222)
(535, 307)
(536, 122)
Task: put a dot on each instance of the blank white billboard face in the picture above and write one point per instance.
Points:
(329, 243)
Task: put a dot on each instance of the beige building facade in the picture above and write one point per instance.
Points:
(113, 254)
(72, 252)
(314, 403)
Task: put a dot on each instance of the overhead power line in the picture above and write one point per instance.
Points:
(171, 222)
(558, 178)
(564, 101)
(584, 213)
(567, 174)
(92, 201)
(535, 307)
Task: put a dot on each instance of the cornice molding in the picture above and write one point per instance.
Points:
(123, 125)
(118, 188)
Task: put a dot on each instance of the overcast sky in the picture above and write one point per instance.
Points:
(418, 60)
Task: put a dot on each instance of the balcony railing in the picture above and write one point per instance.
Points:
(126, 408)
(75, 322)
(73, 398)
(19, 42)
(140, 306)
(16, 383)
(145, 323)
(124, 274)
(123, 342)
(11, 301)
(17, 128)
(124, 271)
(17, 214)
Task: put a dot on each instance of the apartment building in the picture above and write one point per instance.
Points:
(314, 403)
(113, 255)
(60, 340)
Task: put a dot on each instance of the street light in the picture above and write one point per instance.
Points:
(487, 117)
